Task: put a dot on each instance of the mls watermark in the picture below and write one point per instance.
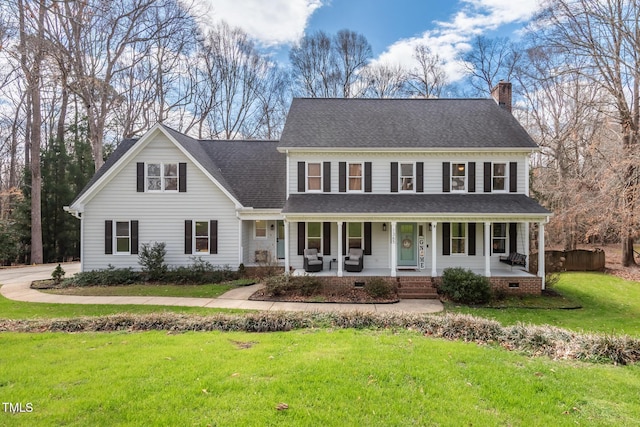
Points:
(17, 408)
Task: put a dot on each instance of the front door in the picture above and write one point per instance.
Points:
(280, 239)
(407, 245)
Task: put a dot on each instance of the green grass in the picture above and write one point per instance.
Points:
(609, 305)
(141, 289)
(326, 377)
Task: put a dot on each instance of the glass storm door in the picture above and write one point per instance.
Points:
(280, 240)
(407, 248)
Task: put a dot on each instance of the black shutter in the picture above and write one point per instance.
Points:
(342, 177)
(513, 237)
(182, 177)
(213, 236)
(367, 177)
(326, 238)
(367, 238)
(446, 238)
(108, 237)
(134, 237)
(394, 177)
(188, 233)
(326, 177)
(344, 238)
(513, 177)
(472, 177)
(301, 238)
(419, 177)
(301, 177)
(487, 177)
(140, 177)
(471, 229)
(446, 177)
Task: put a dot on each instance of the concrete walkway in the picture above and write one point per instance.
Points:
(16, 281)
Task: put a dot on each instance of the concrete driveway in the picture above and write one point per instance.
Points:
(15, 283)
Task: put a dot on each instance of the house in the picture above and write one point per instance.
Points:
(418, 185)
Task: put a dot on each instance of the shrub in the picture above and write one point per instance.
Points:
(278, 285)
(58, 274)
(308, 285)
(199, 272)
(464, 286)
(110, 277)
(380, 288)
(151, 259)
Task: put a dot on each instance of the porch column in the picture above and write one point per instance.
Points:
(340, 254)
(541, 252)
(287, 263)
(487, 249)
(434, 240)
(240, 248)
(394, 249)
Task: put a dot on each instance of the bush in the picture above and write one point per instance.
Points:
(279, 285)
(57, 275)
(464, 286)
(199, 272)
(151, 259)
(380, 288)
(110, 277)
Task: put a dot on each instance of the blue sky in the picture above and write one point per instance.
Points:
(392, 27)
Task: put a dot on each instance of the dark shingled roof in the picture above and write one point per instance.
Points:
(412, 203)
(252, 171)
(402, 123)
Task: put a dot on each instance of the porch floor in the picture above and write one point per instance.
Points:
(386, 272)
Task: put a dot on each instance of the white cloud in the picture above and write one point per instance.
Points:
(450, 38)
(271, 23)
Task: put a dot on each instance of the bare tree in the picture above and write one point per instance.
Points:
(428, 78)
(605, 34)
(385, 81)
(489, 61)
(353, 53)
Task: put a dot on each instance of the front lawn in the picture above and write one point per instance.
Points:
(305, 377)
(143, 290)
(609, 305)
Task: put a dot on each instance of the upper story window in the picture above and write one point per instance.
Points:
(458, 176)
(162, 177)
(406, 177)
(314, 177)
(355, 176)
(499, 177)
(499, 238)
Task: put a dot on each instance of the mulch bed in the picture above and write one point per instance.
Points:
(351, 296)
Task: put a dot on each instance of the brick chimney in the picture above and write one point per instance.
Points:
(502, 94)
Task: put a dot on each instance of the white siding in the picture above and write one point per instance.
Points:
(161, 216)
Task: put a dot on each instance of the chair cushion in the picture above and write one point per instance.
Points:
(313, 257)
(352, 262)
(314, 262)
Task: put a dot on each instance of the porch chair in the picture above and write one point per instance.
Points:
(312, 262)
(354, 262)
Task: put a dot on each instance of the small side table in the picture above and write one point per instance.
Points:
(331, 261)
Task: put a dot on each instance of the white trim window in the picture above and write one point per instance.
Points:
(355, 177)
(499, 238)
(314, 236)
(407, 177)
(201, 237)
(161, 177)
(458, 238)
(314, 177)
(499, 177)
(122, 237)
(260, 229)
(458, 177)
(354, 235)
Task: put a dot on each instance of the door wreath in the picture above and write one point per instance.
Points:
(406, 243)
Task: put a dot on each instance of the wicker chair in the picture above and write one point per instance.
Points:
(312, 262)
(354, 262)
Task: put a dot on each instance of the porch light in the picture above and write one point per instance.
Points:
(460, 167)
(384, 226)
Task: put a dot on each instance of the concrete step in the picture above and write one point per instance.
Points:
(417, 293)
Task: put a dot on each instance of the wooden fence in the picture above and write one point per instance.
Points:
(576, 260)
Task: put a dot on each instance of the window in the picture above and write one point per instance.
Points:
(314, 236)
(314, 177)
(406, 177)
(458, 176)
(123, 237)
(260, 229)
(354, 235)
(355, 176)
(458, 238)
(201, 237)
(499, 179)
(162, 176)
(499, 242)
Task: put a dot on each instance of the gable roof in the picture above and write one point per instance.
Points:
(402, 124)
(238, 166)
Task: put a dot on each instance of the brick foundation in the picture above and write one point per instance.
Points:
(511, 285)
